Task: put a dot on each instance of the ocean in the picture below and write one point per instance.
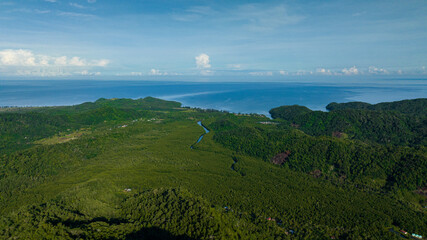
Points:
(243, 97)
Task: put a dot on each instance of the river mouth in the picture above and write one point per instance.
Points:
(201, 136)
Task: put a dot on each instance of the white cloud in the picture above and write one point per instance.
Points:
(61, 61)
(350, 71)
(91, 1)
(30, 10)
(100, 63)
(156, 72)
(76, 15)
(53, 72)
(303, 72)
(52, 1)
(76, 61)
(375, 70)
(194, 13)
(260, 17)
(19, 57)
(261, 73)
(87, 73)
(42, 72)
(323, 71)
(44, 61)
(26, 58)
(283, 72)
(77, 5)
(203, 10)
(25, 63)
(152, 72)
(235, 66)
(206, 72)
(41, 11)
(203, 61)
(253, 16)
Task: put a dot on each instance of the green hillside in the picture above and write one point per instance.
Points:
(124, 169)
(414, 106)
(398, 123)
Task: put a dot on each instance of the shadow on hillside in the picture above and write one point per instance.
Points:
(144, 233)
(80, 224)
(156, 234)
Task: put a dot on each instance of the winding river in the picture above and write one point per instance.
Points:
(201, 136)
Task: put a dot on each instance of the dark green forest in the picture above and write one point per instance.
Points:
(124, 169)
(400, 123)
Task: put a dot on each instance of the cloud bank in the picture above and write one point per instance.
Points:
(268, 73)
(26, 58)
(156, 72)
(24, 62)
(350, 71)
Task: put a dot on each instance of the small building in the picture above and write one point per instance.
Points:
(417, 236)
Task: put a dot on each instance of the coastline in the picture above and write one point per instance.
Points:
(233, 97)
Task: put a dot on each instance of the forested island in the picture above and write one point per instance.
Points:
(134, 169)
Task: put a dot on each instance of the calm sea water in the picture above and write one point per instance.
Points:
(234, 97)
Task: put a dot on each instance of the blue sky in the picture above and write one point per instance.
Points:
(211, 39)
